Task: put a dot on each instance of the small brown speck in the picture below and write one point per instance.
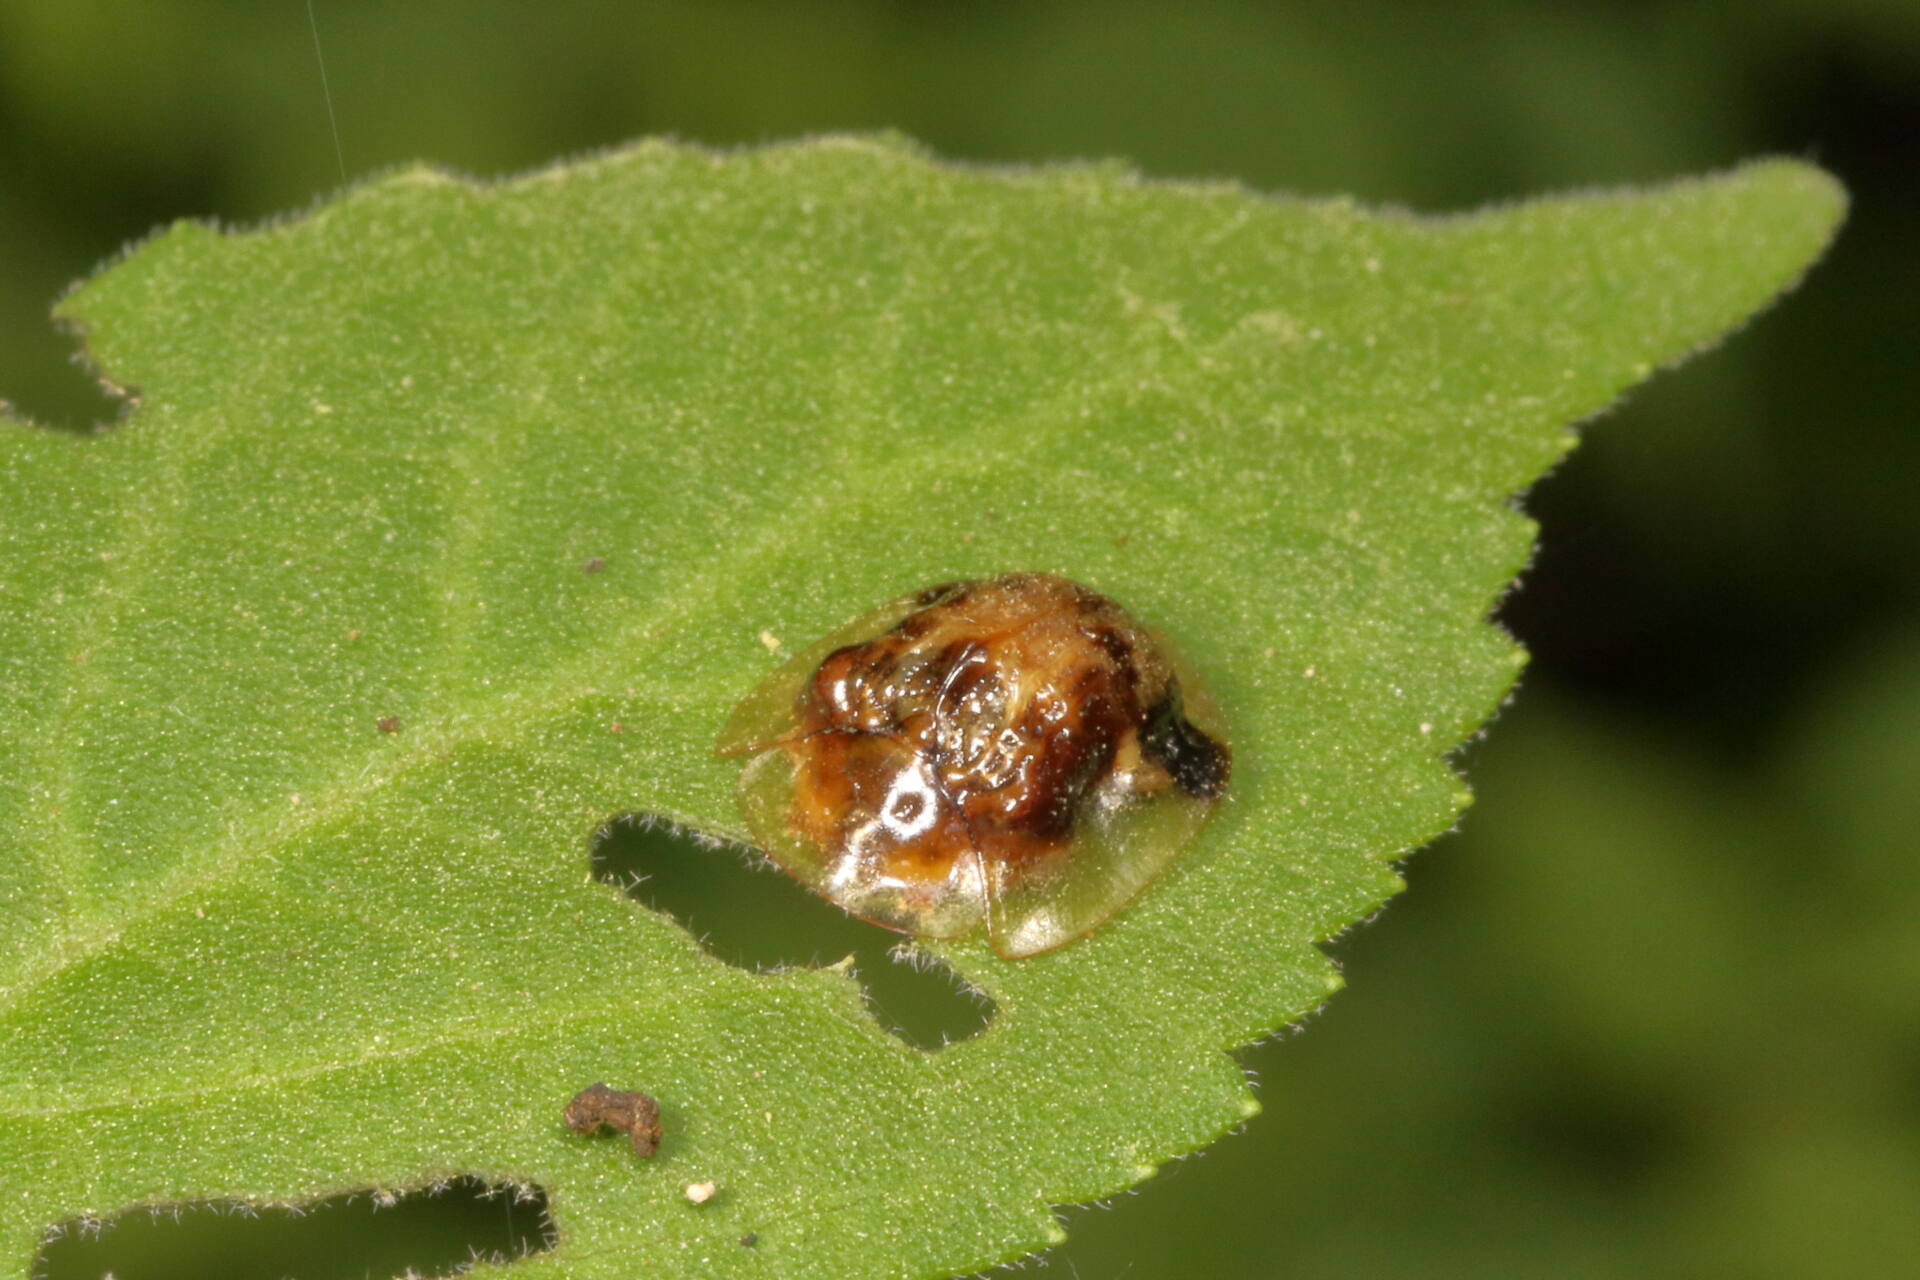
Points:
(627, 1111)
(594, 564)
(388, 724)
(614, 727)
(750, 1239)
(353, 635)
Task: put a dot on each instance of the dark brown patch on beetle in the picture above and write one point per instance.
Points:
(933, 594)
(597, 1107)
(982, 721)
(1197, 763)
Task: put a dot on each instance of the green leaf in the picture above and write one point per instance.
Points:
(252, 946)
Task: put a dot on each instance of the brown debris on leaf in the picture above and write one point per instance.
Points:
(627, 1111)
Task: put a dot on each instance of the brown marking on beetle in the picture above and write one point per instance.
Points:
(1197, 763)
(597, 1108)
(933, 594)
(1017, 693)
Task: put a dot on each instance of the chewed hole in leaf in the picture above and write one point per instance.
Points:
(435, 1232)
(752, 915)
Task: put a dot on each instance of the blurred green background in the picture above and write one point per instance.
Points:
(1655, 1009)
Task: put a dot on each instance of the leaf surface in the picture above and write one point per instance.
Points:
(253, 944)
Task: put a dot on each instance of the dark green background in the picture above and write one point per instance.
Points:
(1656, 1008)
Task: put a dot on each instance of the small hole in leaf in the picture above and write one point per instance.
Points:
(752, 915)
(437, 1232)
